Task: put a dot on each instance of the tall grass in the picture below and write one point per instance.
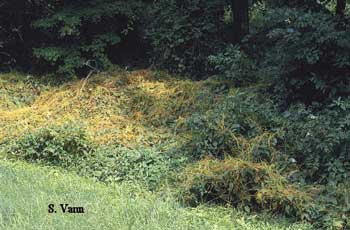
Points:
(27, 190)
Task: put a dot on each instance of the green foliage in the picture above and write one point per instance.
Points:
(184, 33)
(243, 125)
(259, 186)
(230, 181)
(291, 159)
(235, 66)
(309, 146)
(146, 166)
(57, 145)
(252, 186)
(319, 141)
(236, 126)
(334, 207)
(80, 37)
(276, 162)
(306, 53)
(305, 4)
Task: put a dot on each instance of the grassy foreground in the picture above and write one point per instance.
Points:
(26, 191)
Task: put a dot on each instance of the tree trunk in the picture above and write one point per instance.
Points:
(340, 7)
(240, 10)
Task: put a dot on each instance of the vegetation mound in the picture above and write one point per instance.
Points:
(208, 141)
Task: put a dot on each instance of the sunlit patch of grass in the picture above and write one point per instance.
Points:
(27, 191)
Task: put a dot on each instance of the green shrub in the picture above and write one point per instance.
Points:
(230, 181)
(240, 125)
(235, 66)
(334, 207)
(319, 141)
(252, 186)
(85, 36)
(56, 145)
(306, 54)
(312, 140)
(184, 33)
(111, 164)
(288, 200)
(260, 187)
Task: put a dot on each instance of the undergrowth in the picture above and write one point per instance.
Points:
(208, 141)
(251, 186)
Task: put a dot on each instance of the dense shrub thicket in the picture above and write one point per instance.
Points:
(58, 145)
(319, 141)
(75, 37)
(244, 126)
(236, 146)
(248, 185)
(281, 142)
(310, 54)
(237, 119)
(184, 33)
(235, 66)
(308, 146)
(69, 37)
(148, 166)
(87, 35)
